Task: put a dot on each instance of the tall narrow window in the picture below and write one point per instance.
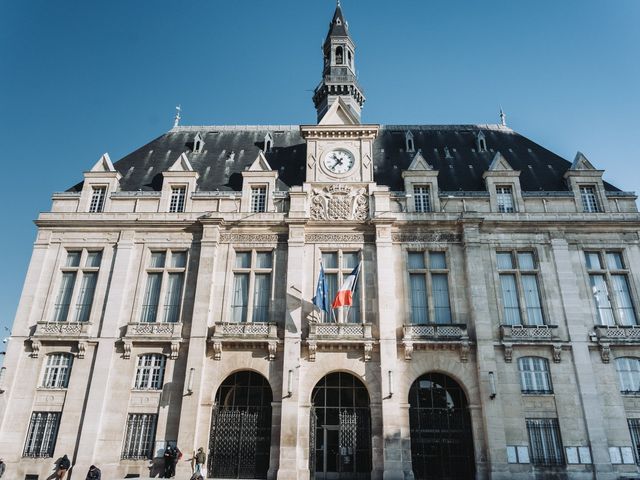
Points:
(251, 286)
(178, 198)
(410, 145)
(98, 195)
(589, 199)
(41, 435)
(338, 264)
(57, 370)
(422, 198)
(259, 199)
(521, 303)
(140, 436)
(634, 428)
(609, 281)
(429, 284)
(628, 369)
(504, 199)
(545, 442)
(165, 279)
(150, 372)
(535, 377)
(339, 56)
(85, 265)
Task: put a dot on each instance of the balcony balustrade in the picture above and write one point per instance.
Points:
(530, 335)
(60, 331)
(153, 332)
(607, 335)
(245, 335)
(338, 336)
(435, 336)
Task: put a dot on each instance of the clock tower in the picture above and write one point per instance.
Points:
(339, 166)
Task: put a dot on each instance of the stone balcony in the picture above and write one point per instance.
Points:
(245, 335)
(340, 336)
(511, 335)
(153, 332)
(60, 331)
(433, 336)
(607, 335)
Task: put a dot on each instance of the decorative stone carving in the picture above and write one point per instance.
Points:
(339, 202)
(273, 347)
(465, 348)
(313, 347)
(252, 238)
(35, 348)
(508, 352)
(175, 349)
(557, 352)
(217, 350)
(337, 238)
(408, 351)
(605, 352)
(368, 350)
(126, 345)
(82, 347)
(431, 237)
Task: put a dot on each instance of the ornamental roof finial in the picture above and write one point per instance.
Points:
(176, 121)
(503, 118)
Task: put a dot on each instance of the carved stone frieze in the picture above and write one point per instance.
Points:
(431, 237)
(252, 238)
(339, 202)
(337, 238)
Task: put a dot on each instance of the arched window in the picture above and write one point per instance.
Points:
(57, 370)
(339, 56)
(150, 372)
(629, 374)
(410, 145)
(534, 375)
(268, 142)
(482, 142)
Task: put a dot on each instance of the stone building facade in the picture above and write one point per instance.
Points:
(493, 331)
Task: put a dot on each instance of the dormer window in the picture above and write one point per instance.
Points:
(589, 199)
(98, 195)
(198, 143)
(178, 197)
(259, 199)
(422, 198)
(339, 56)
(481, 142)
(268, 142)
(504, 198)
(410, 146)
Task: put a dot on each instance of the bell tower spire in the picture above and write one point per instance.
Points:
(339, 73)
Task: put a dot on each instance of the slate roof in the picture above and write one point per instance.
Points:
(338, 29)
(450, 149)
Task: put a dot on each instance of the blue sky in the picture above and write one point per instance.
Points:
(79, 78)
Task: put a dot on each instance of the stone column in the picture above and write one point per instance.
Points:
(292, 465)
(395, 463)
(195, 410)
(98, 391)
(575, 311)
(476, 277)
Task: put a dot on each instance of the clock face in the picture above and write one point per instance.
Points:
(339, 161)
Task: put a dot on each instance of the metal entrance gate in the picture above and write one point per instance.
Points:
(441, 438)
(340, 430)
(239, 446)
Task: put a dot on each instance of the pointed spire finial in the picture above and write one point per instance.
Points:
(176, 121)
(338, 3)
(503, 118)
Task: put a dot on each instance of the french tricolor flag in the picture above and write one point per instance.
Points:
(344, 296)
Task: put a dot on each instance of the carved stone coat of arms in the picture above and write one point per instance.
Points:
(339, 202)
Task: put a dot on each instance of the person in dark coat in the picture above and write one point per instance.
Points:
(168, 461)
(2, 467)
(64, 464)
(93, 473)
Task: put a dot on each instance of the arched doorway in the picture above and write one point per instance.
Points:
(240, 439)
(340, 429)
(441, 437)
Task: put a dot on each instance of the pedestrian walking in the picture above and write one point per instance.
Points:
(200, 459)
(63, 466)
(93, 473)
